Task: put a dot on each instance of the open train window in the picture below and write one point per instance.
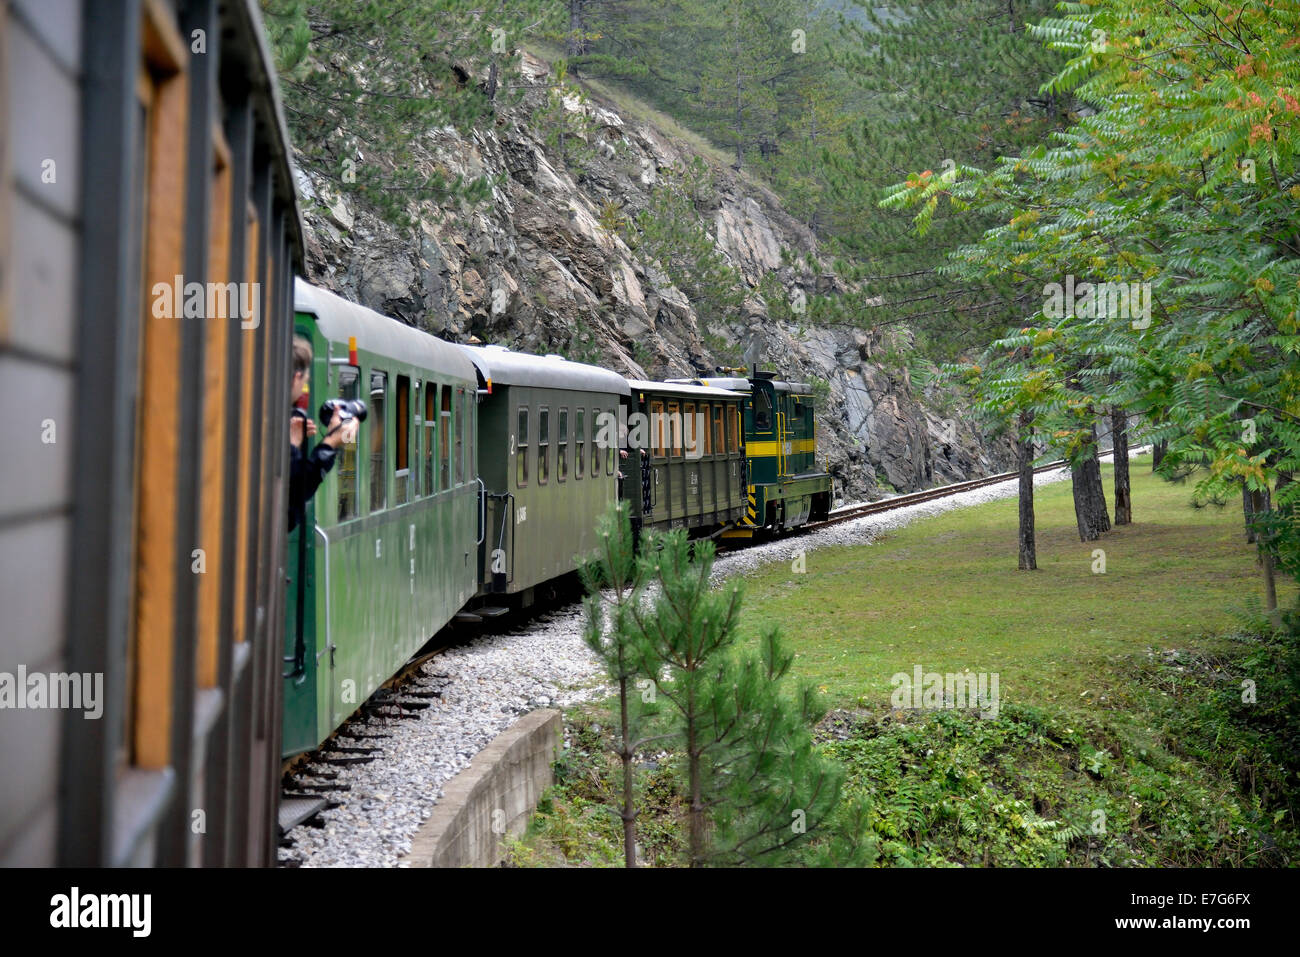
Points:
(378, 474)
(579, 441)
(430, 422)
(675, 429)
(719, 446)
(402, 446)
(611, 453)
(657, 423)
(690, 430)
(543, 445)
(462, 410)
(562, 447)
(762, 411)
(733, 429)
(444, 439)
(349, 385)
(521, 449)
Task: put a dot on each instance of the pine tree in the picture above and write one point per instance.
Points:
(615, 583)
(756, 787)
(366, 80)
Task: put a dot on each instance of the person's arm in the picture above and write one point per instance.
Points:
(322, 457)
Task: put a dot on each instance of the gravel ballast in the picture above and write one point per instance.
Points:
(485, 685)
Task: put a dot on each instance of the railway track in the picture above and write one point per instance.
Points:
(848, 513)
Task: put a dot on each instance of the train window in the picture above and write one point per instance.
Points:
(543, 445)
(733, 429)
(675, 429)
(580, 441)
(762, 411)
(462, 411)
(705, 416)
(430, 421)
(378, 474)
(444, 439)
(562, 449)
(690, 431)
(595, 447)
(521, 449)
(402, 434)
(162, 89)
(718, 445)
(610, 454)
(349, 386)
(657, 424)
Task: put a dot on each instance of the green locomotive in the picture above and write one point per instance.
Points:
(786, 487)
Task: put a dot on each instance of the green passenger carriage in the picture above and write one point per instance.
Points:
(549, 462)
(387, 556)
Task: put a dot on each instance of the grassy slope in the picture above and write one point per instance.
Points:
(1111, 747)
(945, 593)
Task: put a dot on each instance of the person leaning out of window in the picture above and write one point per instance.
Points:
(307, 469)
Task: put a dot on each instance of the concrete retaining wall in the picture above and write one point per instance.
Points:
(492, 797)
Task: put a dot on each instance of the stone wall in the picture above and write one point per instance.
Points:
(491, 798)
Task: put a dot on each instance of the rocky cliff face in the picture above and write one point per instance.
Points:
(538, 270)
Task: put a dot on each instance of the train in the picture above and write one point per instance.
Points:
(168, 640)
(477, 478)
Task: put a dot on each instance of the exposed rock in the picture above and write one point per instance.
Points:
(542, 268)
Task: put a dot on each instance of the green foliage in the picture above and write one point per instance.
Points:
(365, 82)
(1049, 787)
(671, 232)
(755, 788)
(564, 125)
(1184, 178)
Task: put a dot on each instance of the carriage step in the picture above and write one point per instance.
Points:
(491, 611)
(468, 617)
(296, 808)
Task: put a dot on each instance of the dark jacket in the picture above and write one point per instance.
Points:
(305, 475)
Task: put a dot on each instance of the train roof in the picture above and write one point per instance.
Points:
(503, 366)
(339, 319)
(740, 384)
(683, 389)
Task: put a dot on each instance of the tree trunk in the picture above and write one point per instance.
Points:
(1248, 513)
(1261, 502)
(629, 801)
(1119, 436)
(575, 44)
(1158, 450)
(1090, 494)
(1025, 464)
(1270, 590)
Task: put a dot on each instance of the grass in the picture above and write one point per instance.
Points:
(945, 593)
(1146, 716)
